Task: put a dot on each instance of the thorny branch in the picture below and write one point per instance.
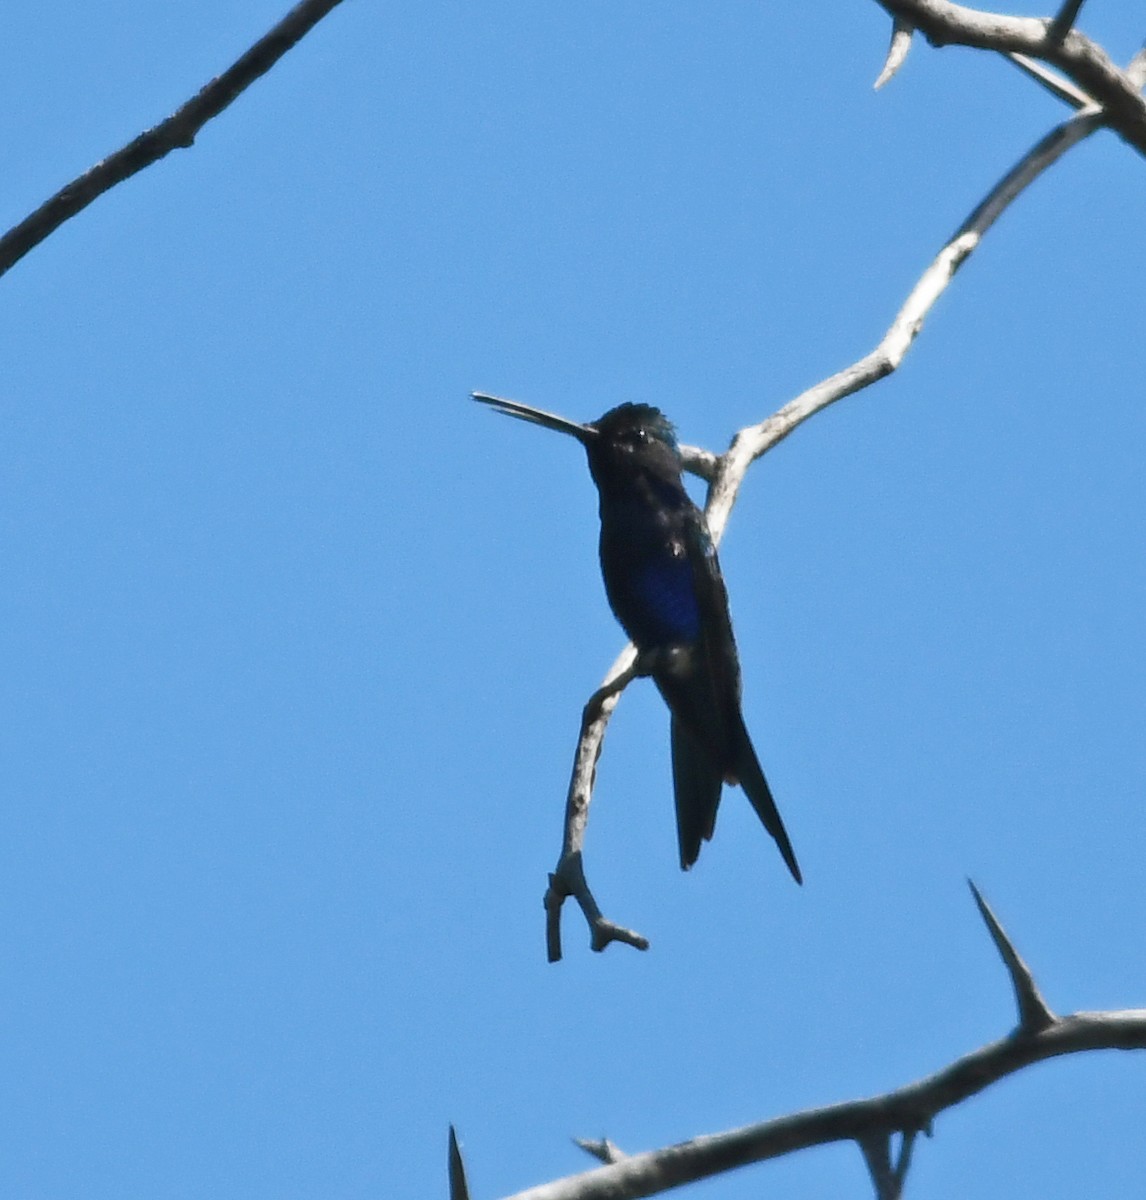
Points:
(872, 1123)
(1106, 86)
(1073, 53)
(177, 132)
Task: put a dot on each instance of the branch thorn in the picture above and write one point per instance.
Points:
(459, 1189)
(1035, 1014)
(1064, 21)
(901, 32)
(601, 1149)
(1058, 85)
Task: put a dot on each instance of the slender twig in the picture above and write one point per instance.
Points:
(177, 132)
(871, 1123)
(701, 463)
(756, 440)
(568, 878)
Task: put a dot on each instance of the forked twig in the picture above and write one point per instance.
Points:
(886, 1178)
(568, 878)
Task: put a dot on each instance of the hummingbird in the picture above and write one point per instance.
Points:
(663, 582)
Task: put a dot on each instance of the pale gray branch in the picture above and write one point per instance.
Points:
(750, 443)
(911, 1107)
(1074, 54)
(568, 879)
(871, 1123)
(702, 463)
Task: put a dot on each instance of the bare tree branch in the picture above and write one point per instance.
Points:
(177, 132)
(756, 440)
(1085, 62)
(871, 1123)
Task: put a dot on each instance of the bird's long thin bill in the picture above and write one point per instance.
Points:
(538, 416)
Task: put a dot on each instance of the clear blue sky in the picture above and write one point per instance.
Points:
(295, 638)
